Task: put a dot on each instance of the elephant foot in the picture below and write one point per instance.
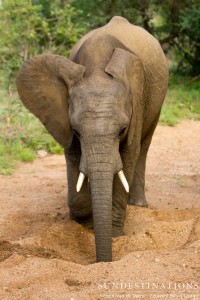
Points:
(139, 201)
(85, 221)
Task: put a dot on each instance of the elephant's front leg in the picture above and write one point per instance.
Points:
(137, 189)
(79, 203)
(120, 196)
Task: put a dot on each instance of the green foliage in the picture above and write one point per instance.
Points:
(6, 165)
(21, 134)
(97, 13)
(55, 26)
(182, 102)
(18, 146)
(28, 28)
(20, 21)
(189, 41)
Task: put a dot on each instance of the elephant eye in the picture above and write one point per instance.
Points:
(76, 133)
(122, 131)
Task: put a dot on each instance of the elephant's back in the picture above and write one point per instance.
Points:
(141, 43)
(137, 39)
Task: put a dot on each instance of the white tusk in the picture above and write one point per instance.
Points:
(80, 182)
(123, 180)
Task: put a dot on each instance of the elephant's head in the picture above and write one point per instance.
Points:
(97, 102)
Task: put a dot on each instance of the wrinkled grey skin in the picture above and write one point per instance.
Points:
(102, 105)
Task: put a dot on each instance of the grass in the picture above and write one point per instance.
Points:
(182, 101)
(179, 180)
(21, 134)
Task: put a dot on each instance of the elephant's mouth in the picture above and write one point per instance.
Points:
(120, 174)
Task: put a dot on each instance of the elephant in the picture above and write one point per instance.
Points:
(102, 104)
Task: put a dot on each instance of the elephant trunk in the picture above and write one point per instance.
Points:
(101, 183)
(100, 161)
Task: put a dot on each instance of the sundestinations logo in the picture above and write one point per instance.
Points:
(152, 290)
(147, 286)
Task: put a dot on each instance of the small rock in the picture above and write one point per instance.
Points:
(42, 153)
(157, 259)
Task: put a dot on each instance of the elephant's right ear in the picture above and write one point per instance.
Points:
(43, 83)
(127, 67)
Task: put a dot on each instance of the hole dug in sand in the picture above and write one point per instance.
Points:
(145, 230)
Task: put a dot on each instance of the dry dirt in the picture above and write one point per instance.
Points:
(45, 256)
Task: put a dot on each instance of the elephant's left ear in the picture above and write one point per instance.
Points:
(128, 68)
(43, 85)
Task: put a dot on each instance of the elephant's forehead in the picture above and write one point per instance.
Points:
(98, 95)
(107, 110)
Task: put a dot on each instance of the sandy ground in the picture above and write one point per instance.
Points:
(44, 255)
